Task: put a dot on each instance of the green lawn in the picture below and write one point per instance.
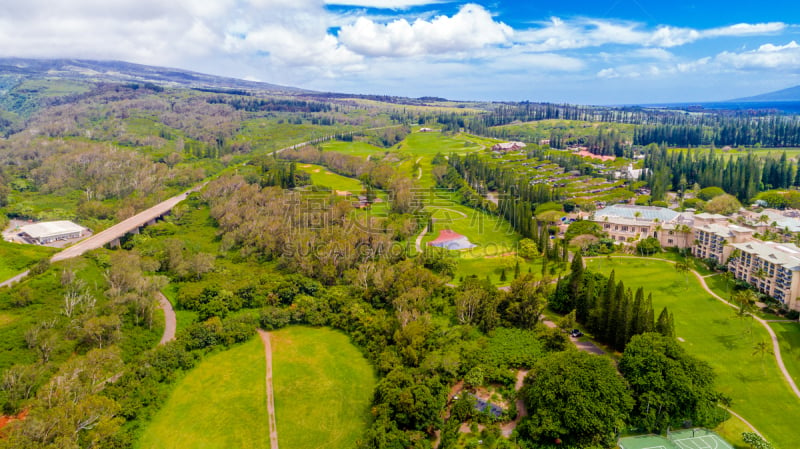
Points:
(16, 257)
(323, 388)
(711, 332)
(789, 339)
(353, 148)
(492, 267)
(321, 176)
(493, 235)
(219, 404)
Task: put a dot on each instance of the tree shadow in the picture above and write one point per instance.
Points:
(730, 342)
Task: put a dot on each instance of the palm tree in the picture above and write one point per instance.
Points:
(746, 300)
(727, 276)
(682, 266)
(762, 348)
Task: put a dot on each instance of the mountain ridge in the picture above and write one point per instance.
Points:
(87, 69)
(788, 94)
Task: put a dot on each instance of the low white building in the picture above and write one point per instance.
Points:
(508, 146)
(50, 231)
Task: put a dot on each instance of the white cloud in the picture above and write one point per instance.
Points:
(746, 29)
(471, 28)
(383, 4)
(558, 34)
(608, 73)
(767, 56)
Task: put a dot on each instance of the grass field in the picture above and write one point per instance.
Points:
(422, 147)
(789, 339)
(361, 149)
(321, 176)
(15, 257)
(323, 388)
(711, 332)
(220, 404)
(493, 235)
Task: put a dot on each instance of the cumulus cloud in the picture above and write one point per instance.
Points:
(383, 4)
(766, 56)
(558, 34)
(471, 28)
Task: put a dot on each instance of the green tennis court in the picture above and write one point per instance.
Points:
(678, 439)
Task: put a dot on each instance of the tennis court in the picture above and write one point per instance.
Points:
(678, 439)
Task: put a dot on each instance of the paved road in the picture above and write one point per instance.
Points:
(170, 322)
(273, 427)
(16, 278)
(776, 348)
(122, 228)
(585, 346)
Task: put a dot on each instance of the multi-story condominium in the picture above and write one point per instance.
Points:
(628, 223)
(712, 240)
(773, 268)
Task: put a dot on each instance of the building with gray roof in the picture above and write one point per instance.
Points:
(51, 231)
(771, 267)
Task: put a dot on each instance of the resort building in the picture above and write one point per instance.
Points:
(629, 223)
(506, 147)
(772, 268)
(51, 231)
(713, 239)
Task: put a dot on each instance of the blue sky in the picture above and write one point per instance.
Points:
(596, 52)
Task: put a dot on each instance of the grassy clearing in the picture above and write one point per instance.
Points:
(323, 387)
(711, 332)
(321, 176)
(493, 266)
(361, 149)
(6, 319)
(16, 258)
(219, 404)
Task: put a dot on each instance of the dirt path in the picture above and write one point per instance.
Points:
(170, 322)
(776, 348)
(508, 428)
(418, 243)
(273, 427)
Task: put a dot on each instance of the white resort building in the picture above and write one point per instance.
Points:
(51, 231)
(629, 223)
(772, 268)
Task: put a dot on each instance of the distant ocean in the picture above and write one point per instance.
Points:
(787, 107)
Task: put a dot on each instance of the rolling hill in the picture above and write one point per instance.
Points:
(789, 94)
(79, 69)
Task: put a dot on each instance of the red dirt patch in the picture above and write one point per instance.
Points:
(5, 420)
(584, 153)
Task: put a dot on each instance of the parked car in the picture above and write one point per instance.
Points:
(576, 333)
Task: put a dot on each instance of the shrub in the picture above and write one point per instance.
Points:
(709, 193)
(648, 246)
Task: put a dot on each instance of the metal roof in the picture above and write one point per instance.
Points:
(784, 254)
(645, 213)
(51, 229)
